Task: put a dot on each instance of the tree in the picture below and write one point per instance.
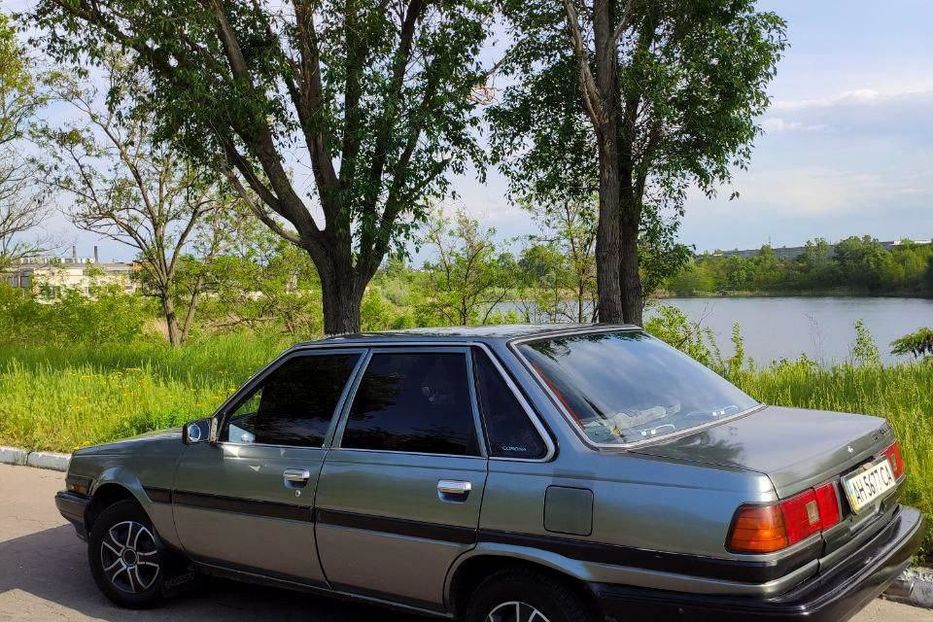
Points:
(571, 226)
(21, 208)
(373, 99)
(660, 94)
(661, 256)
(862, 262)
(466, 281)
(816, 264)
(129, 188)
(918, 343)
(260, 281)
(541, 282)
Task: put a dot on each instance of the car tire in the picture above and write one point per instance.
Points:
(128, 561)
(528, 596)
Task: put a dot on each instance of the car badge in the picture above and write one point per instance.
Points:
(850, 450)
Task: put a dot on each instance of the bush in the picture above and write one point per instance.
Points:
(672, 326)
(109, 316)
(919, 343)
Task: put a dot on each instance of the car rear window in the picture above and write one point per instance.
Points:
(626, 386)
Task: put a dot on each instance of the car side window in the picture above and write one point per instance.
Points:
(415, 402)
(509, 431)
(294, 404)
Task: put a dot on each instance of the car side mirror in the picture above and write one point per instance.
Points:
(200, 431)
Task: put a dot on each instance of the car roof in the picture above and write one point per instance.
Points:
(486, 334)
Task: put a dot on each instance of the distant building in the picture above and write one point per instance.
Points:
(50, 276)
(792, 252)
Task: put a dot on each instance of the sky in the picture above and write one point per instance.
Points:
(847, 148)
(848, 143)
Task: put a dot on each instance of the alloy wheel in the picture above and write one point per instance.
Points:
(516, 611)
(128, 556)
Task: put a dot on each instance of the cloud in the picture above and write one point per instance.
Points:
(856, 97)
(809, 191)
(772, 125)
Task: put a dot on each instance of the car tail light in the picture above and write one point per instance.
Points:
(801, 516)
(893, 454)
(769, 528)
(757, 529)
(828, 501)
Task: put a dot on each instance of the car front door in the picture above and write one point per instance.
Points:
(246, 502)
(400, 494)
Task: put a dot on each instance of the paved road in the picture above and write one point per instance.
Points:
(44, 576)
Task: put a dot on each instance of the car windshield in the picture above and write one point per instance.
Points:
(626, 386)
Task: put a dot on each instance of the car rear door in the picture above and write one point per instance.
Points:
(400, 493)
(246, 502)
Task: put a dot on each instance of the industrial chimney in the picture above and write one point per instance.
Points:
(96, 256)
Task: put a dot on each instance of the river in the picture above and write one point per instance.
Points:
(821, 328)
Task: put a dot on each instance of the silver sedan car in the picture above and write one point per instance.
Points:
(505, 474)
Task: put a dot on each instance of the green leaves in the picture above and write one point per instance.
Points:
(344, 118)
(468, 278)
(679, 98)
(918, 343)
(22, 206)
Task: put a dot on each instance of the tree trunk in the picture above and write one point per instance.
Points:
(607, 234)
(606, 124)
(630, 277)
(171, 321)
(581, 293)
(192, 307)
(342, 299)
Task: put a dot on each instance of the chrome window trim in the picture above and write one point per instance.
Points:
(365, 347)
(474, 405)
(439, 348)
(513, 343)
(361, 450)
(245, 392)
(419, 344)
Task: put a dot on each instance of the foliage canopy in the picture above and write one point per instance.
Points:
(343, 119)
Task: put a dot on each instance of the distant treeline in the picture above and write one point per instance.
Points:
(860, 266)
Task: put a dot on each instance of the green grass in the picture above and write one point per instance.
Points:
(59, 399)
(64, 397)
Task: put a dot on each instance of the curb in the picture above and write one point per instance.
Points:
(38, 459)
(913, 587)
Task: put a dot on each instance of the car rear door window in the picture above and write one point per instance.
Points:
(413, 402)
(294, 404)
(509, 431)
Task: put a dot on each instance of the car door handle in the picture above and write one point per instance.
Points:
(453, 490)
(297, 476)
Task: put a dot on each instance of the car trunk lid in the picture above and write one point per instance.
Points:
(795, 448)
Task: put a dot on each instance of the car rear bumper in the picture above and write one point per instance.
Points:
(72, 506)
(833, 595)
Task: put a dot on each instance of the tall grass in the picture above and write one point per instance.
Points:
(64, 396)
(61, 397)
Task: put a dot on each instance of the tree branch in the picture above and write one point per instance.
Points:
(591, 98)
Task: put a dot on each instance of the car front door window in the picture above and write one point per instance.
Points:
(293, 406)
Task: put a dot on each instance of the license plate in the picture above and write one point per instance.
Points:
(868, 485)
